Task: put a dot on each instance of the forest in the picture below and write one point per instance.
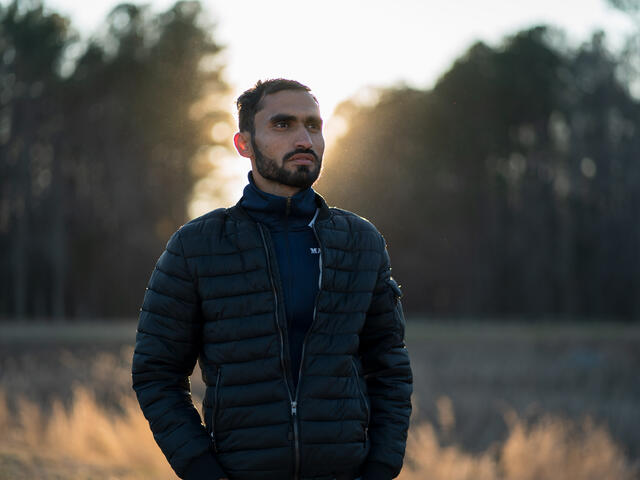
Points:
(99, 151)
(506, 189)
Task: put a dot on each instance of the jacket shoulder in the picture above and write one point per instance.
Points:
(208, 223)
(221, 230)
(212, 216)
(346, 230)
(344, 219)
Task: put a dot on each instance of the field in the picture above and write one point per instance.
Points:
(493, 401)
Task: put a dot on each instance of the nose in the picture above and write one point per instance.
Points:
(303, 139)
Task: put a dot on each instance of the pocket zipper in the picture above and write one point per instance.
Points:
(214, 410)
(364, 400)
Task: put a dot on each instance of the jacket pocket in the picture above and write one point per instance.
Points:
(214, 409)
(363, 398)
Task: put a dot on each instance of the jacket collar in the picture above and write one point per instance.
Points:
(275, 211)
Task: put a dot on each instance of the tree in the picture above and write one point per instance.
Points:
(506, 188)
(32, 42)
(122, 134)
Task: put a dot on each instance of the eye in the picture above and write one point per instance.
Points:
(281, 124)
(314, 126)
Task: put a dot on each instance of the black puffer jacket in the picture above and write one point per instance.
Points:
(215, 296)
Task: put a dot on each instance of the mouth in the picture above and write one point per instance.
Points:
(302, 159)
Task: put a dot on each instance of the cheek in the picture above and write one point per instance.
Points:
(268, 146)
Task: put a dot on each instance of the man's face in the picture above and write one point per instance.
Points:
(287, 142)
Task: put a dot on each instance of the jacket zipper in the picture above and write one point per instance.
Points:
(215, 410)
(293, 403)
(364, 400)
(293, 398)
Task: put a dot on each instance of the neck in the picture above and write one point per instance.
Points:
(274, 188)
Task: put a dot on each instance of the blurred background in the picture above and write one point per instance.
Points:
(495, 144)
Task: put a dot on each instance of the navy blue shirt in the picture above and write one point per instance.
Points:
(297, 253)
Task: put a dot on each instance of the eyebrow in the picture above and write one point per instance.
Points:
(286, 117)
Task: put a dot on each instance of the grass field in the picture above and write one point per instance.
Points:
(508, 401)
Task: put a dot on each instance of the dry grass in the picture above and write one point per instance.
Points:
(86, 441)
(551, 449)
(69, 412)
(83, 441)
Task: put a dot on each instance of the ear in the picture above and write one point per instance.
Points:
(243, 144)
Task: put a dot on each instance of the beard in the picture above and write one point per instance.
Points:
(302, 177)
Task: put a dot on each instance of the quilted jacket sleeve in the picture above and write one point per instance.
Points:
(167, 346)
(388, 374)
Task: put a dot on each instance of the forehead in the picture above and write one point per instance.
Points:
(298, 103)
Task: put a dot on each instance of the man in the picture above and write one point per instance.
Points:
(290, 309)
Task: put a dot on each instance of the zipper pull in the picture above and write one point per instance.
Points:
(294, 407)
(213, 441)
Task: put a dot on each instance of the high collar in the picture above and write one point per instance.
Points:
(279, 212)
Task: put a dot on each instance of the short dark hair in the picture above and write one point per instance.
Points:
(249, 102)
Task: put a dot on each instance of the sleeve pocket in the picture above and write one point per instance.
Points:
(395, 287)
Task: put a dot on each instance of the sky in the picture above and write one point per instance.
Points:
(341, 48)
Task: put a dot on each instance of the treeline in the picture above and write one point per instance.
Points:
(512, 187)
(100, 146)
